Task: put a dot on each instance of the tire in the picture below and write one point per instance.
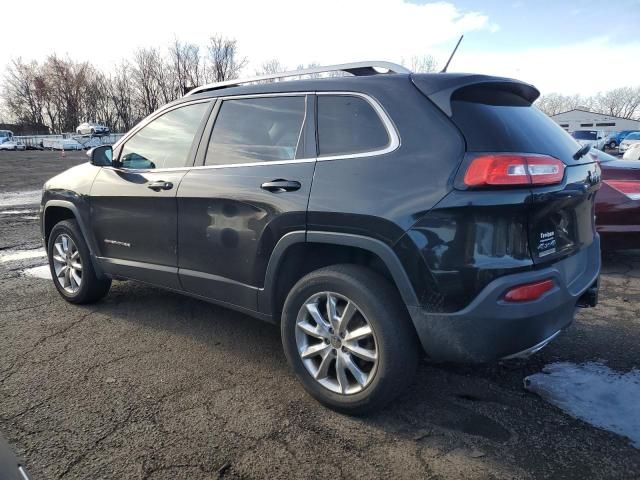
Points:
(612, 145)
(93, 131)
(392, 338)
(90, 288)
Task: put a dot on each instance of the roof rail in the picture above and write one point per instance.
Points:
(356, 68)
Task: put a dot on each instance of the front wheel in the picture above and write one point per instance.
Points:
(348, 338)
(70, 264)
(612, 145)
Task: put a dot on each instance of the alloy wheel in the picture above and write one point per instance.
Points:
(336, 343)
(67, 263)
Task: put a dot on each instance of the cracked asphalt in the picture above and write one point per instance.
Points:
(152, 385)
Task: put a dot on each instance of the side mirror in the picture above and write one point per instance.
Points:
(101, 156)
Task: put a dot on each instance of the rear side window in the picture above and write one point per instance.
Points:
(498, 121)
(256, 130)
(166, 141)
(348, 124)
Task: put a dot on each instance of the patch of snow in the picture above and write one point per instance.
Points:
(38, 272)
(17, 212)
(13, 255)
(10, 199)
(594, 393)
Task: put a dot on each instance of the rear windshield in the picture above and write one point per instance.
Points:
(505, 122)
(585, 135)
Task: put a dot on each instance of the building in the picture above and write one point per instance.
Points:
(578, 119)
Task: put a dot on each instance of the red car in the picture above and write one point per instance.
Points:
(618, 202)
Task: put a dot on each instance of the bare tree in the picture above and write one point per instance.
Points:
(423, 64)
(554, 103)
(187, 65)
(270, 67)
(121, 92)
(21, 92)
(619, 102)
(145, 80)
(223, 62)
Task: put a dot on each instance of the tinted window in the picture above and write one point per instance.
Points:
(511, 124)
(633, 136)
(166, 141)
(348, 124)
(256, 130)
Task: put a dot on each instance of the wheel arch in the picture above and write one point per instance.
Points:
(298, 253)
(56, 211)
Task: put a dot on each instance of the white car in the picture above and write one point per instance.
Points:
(633, 152)
(91, 128)
(594, 138)
(629, 140)
(13, 145)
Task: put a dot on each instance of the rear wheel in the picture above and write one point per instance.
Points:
(71, 267)
(612, 145)
(347, 336)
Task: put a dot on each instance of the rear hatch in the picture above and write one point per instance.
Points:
(497, 118)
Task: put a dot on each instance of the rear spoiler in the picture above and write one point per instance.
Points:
(441, 87)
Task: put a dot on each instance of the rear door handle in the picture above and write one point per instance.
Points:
(279, 185)
(160, 185)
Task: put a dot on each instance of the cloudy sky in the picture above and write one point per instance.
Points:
(566, 46)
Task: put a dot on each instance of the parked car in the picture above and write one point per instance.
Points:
(90, 128)
(633, 152)
(628, 141)
(618, 203)
(613, 139)
(13, 145)
(593, 138)
(371, 217)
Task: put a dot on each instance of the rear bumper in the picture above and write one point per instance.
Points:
(490, 328)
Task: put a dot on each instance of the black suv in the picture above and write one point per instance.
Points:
(371, 216)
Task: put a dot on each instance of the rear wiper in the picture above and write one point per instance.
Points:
(582, 152)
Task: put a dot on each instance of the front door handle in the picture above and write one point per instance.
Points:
(279, 185)
(160, 185)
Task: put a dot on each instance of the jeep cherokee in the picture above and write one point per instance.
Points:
(372, 216)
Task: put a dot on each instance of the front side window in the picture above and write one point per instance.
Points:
(256, 130)
(166, 141)
(348, 124)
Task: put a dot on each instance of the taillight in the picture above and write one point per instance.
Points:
(528, 292)
(513, 169)
(630, 188)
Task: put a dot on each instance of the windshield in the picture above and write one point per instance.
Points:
(633, 136)
(585, 135)
(4, 134)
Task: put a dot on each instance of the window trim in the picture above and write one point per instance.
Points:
(392, 131)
